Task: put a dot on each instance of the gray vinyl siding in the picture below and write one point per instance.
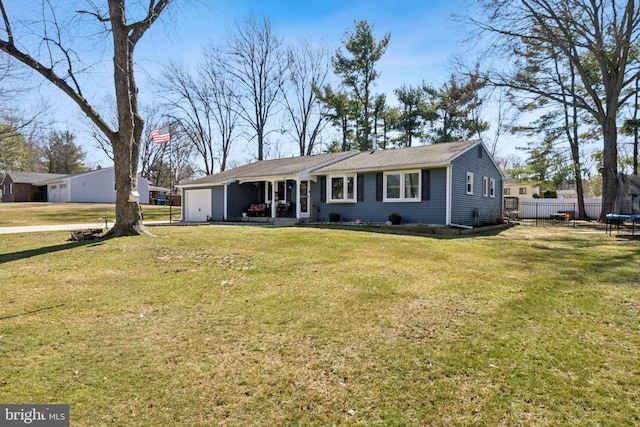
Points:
(239, 197)
(217, 202)
(463, 205)
(430, 211)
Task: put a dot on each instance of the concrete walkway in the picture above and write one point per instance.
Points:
(61, 227)
(274, 222)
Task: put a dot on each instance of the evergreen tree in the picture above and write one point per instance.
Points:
(63, 155)
(14, 151)
(414, 111)
(456, 106)
(356, 68)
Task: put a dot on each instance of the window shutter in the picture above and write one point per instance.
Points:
(323, 189)
(360, 179)
(426, 184)
(379, 189)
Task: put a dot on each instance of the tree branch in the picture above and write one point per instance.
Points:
(50, 75)
(137, 29)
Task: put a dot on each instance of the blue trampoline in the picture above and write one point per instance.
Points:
(618, 220)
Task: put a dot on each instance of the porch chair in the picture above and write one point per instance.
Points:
(287, 208)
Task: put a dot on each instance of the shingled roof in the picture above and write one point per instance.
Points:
(32, 177)
(263, 169)
(401, 158)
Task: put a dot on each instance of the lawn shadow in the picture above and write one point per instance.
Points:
(15, 256)
(415, 230)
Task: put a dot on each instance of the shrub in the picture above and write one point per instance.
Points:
(334, 217)
(395, 218)
(36, 195)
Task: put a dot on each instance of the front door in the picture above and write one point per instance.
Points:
(304, 199)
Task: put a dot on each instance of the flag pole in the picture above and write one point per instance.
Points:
(170, 177)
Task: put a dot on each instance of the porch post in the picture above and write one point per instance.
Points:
(298, 197)
(224, 203)
(273, 199)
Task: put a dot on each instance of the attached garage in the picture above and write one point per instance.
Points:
(197, 205)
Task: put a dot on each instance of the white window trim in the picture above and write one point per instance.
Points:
(485, 186)
(402, 199)
(468, 185)
(344, 177)
(492, 187)
(11, 188)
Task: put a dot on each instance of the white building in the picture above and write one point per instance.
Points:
(97, 186)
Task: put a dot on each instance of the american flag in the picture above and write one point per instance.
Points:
(161, 135)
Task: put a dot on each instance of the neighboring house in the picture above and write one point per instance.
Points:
(568, 190)
(514, 187)
(18, 186)
(454, 183)
(97, 186)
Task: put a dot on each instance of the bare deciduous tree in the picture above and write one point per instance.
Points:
(598, 39)
(222, 93)
(192, 110)
(308, 68)
(59, 65)
(255, 59)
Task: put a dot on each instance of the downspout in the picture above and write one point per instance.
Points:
(449, 190)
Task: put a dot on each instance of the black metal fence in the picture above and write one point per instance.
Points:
(560, 213)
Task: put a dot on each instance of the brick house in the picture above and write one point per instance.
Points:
(17, 186)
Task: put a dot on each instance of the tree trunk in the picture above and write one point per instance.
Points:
(609, 166)
(126, 142)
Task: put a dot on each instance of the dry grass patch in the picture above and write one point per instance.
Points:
(263, 326)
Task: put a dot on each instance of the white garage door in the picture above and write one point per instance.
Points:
(198, 205)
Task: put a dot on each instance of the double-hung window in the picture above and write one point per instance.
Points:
(342, 189)
(469, 182)
(492, 187)
(485, 186)
(402, 186)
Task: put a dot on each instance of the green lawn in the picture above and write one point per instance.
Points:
(244, 326)
(35, 213)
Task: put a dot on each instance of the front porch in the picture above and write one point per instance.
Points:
(269, 199)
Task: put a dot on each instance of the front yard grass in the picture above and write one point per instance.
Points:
(303, 326)
(42, 213)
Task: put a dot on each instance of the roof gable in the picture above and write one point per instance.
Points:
(401, 158)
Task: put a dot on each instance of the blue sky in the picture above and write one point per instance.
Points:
(424, 38)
